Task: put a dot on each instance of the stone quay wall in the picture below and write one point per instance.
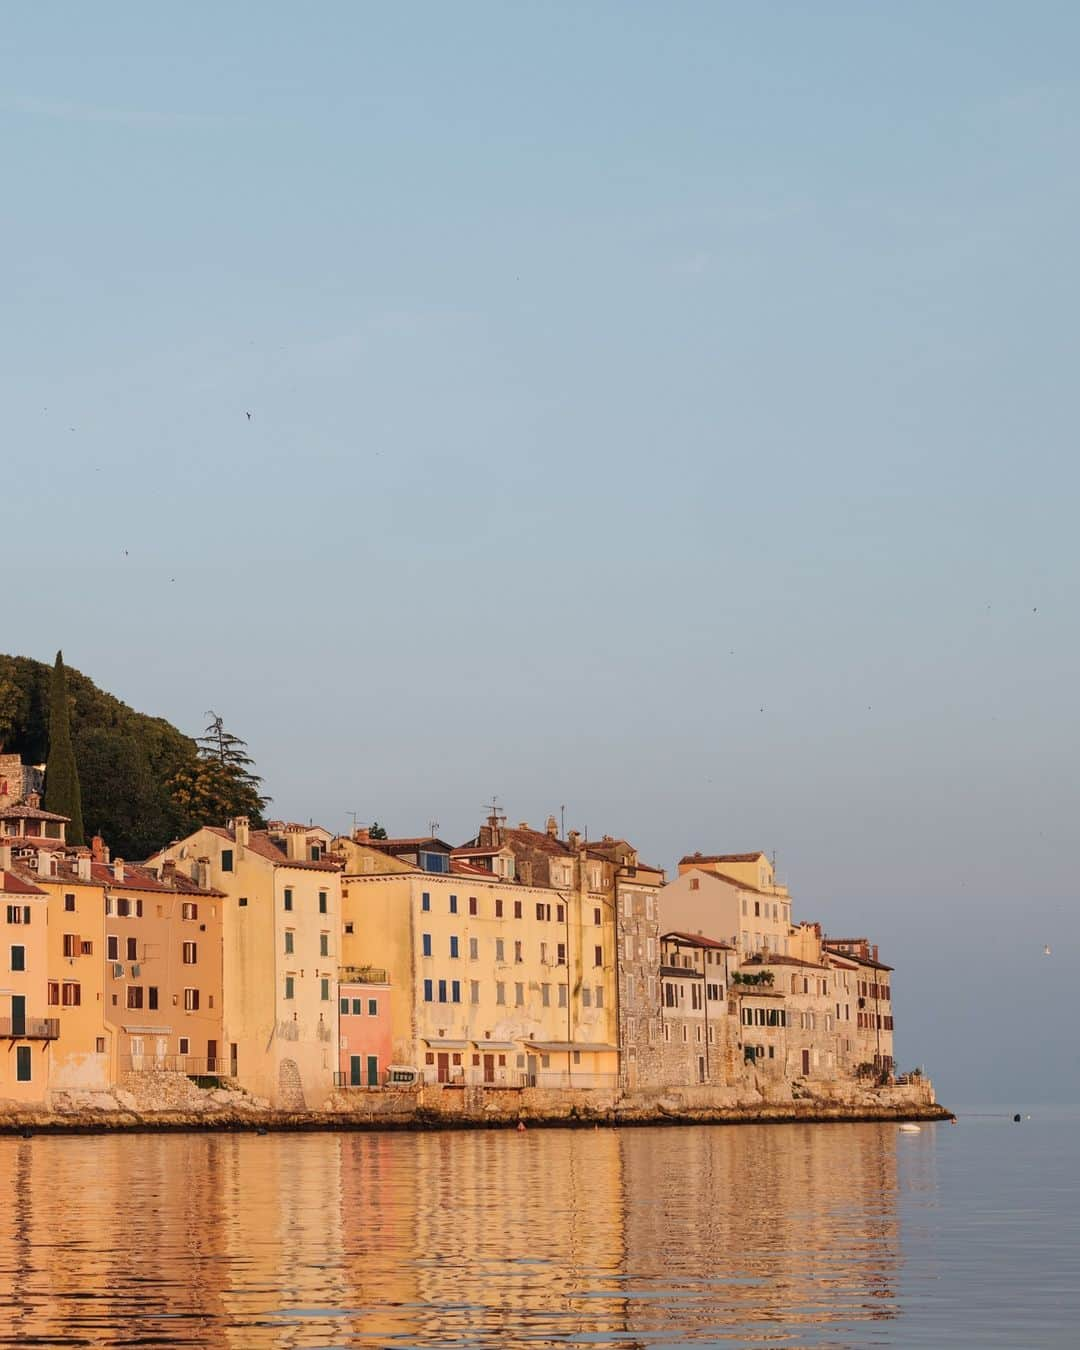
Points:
(172, 1102)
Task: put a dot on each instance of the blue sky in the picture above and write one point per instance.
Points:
(667, 411)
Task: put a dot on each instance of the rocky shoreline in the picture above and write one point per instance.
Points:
(434, 1108)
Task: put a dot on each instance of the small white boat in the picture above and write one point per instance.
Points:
(911, 1129)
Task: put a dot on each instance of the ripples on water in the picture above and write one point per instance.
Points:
(824, 1236)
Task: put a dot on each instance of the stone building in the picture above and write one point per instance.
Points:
(872, 1018)
(695, 1020)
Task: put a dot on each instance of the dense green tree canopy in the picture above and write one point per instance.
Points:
(144, 783)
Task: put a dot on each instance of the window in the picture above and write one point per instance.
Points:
(425, 901)
(429, 991)
(518, 956)
(87, 948)
(562, 996)
(442, 991)
(474, 949)
(425, 944)
(242, 902)
(69, 904)
(18, 958)
(132, 949)
(473, 907)
(54, 993)
(474, 991)
(71, 994)
(453, 904)
(23, 1064)
(599, 996)
(191, 954)
(373, 1007)
(152, 998)
(498, 909)
(189, 910)
(586, 997)
(695, 883)
(112, 948)
(517, 909)
(226, 860)
(100, 1045)
(290, 941)
(455, 991)
(357, 1007)
(539, 910)
(757, 909)
(134, 996)
(560, 954)
(18, 913)
(545, 995)
(287, 897)
(597, 917)
(560, 913)
(324, 989)
(322, 902)
(519, 995)
(543, 953)
(184, 1044)
(598, 955)
(500, 950)
(123, 908)
(453, 946)
(71, 945)
(343, 1007)
(324, 944)
(290, 988)
(191, 998)
(500, 992)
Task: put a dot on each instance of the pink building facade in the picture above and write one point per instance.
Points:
(364, 1020)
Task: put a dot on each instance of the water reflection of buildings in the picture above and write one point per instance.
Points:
(487, 1238)
(778, 1225)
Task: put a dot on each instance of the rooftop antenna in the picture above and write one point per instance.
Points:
(494, 813)
(355, 819)
(433, 828)
(562, 821)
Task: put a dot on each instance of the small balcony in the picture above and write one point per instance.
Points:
(30, 1029)
(362, 975)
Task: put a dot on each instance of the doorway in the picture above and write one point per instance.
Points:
(806, 1063)
(443, 1062)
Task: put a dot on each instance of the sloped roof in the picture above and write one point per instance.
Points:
(696, 940)
(13, 884)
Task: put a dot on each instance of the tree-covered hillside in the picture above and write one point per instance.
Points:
(143, 782)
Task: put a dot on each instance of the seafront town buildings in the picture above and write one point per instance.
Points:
(280, 933)
(297, 965)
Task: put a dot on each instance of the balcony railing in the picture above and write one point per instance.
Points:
(341, 1080)
(32, 1029)
(194, 1066)
(362, 975)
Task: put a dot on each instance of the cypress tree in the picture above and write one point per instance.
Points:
(62, 793)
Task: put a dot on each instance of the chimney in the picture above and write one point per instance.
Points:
(98, 851)
(82, 866)
(44, 862)
(168, 870)
(552, 828)
(573, 838)
(523, 824)
(5, 856)
(118, 869)
(202, 873)
(874, 949)
(361, 835)
(33, 799)
(241, 830)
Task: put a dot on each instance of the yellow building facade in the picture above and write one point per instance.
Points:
(492, 981)
(281, 924)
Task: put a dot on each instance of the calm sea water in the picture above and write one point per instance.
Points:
(828, 1235)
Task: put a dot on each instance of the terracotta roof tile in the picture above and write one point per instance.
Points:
(13, 884)
(696, 940)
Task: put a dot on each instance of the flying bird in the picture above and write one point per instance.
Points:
(248, 416)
